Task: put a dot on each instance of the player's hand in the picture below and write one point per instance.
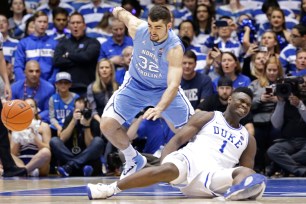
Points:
(116, 11)
(152, 114)
(7, 92)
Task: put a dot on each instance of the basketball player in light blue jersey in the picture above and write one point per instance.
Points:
(153, 79)
(207, 166)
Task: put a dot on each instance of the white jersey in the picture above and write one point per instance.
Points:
(217, 146)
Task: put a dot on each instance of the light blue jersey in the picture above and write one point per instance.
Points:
(146, 81)
(149, 64)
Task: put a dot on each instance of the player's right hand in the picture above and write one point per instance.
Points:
(152, 114)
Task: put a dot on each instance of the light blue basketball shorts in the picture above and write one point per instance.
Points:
(132, 97)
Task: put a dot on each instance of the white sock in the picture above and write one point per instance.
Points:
(129, 153)
(115, 187)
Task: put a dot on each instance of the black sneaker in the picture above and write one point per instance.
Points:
(15, 171)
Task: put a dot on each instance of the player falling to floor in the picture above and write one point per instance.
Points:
(206, 166)
(153, 79)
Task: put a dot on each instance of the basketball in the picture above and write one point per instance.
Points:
(16, 115)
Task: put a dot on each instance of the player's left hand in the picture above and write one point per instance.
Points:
(152, 114)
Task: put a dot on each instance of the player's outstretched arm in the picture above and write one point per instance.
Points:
(187, 132)
(248, 156)
(175, 71)
(3, 74)
(130, 21)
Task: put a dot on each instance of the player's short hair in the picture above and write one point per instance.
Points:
(159, 12)
(245, 90)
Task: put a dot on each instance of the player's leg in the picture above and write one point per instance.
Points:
(9, 166)
(123, 106)
(173, 170)
(40, 160)
(246, 185)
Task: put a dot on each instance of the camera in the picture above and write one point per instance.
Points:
(221, 23)
(86, 113)
(286, 86)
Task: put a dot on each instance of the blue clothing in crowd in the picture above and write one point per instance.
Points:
(41, 95)
(36, 48)
(110, 48)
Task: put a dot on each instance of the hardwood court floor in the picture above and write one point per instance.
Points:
(73, 190)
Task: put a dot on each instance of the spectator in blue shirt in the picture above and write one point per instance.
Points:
(197, 86)
(9, 44)
(38, 46)
(288, 54)
(112, 48)
(33, 86)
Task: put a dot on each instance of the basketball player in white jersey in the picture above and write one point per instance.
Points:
(206, 166)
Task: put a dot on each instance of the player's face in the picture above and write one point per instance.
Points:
(240, 104)
(158, 30)
(189, 65)
(41, 25)
(3, 24)
(224, 92)
(105, 70)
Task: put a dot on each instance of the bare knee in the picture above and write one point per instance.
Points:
(241, 173)
(108, 126)
(45, 154)
(166, 172)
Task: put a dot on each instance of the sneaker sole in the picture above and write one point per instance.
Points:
(137, 169)
(89, 193)
(244, 194)
(258, 180)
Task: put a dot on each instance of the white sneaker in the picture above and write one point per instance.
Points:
(137, 163)
(34, 173)
(99, 191)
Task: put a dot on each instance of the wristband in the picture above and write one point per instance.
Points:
(86, 126)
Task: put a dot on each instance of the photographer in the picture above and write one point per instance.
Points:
(290, 117)
(76, 148)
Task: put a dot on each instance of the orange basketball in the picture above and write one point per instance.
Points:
(16, 115)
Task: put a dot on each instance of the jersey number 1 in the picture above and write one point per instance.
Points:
(223, 146)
